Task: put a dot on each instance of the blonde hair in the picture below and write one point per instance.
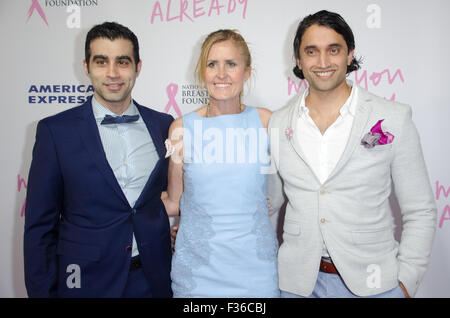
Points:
(216, 37)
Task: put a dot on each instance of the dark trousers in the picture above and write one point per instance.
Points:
(137, 285)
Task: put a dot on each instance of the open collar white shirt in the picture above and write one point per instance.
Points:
(322, 152)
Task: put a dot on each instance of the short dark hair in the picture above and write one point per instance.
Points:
(331, 20)
(111, 31)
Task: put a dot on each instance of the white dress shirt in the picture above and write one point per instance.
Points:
(130, 152)
(322, 152)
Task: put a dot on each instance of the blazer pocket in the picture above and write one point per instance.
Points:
(379, 148)
(80, 251)
(291, 227)
(372, 236)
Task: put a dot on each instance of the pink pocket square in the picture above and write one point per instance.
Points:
(377, 136)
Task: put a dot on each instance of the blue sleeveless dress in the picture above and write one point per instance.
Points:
(226, 245)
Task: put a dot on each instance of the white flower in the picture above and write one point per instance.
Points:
(170, 149)
(289, 132)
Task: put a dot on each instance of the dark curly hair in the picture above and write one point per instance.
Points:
(331, 20)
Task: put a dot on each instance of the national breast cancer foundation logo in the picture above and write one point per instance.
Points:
(72, 7)
(35, 6)
(171, 91)
(192, 96)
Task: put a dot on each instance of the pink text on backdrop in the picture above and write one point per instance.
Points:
(441, 190)
(375, 79)
(20, 182)
(293, 84)
(445, 215)
(193, 9)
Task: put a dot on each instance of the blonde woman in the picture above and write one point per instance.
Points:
(226, 246)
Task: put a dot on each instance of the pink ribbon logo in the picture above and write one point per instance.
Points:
(172, 90)
(36, 6)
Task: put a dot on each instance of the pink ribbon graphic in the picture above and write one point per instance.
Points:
(386, 137)
(172, 90)
(36, 6)
(289, 132)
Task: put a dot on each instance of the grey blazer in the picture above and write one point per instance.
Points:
(350, 211)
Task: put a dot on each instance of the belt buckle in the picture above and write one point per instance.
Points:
(327, 266)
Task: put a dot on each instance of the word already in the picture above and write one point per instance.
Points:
(445, 216)
(20, 182)
(194, 9)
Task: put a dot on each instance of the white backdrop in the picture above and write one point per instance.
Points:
(404, 45)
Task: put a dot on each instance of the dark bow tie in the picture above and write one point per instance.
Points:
(119, 119)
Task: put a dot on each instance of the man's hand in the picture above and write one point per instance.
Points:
(173, 236)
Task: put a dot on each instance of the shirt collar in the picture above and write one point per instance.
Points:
(349, 106)
(100, 111)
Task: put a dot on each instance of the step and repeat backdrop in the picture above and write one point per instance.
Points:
(404, 46)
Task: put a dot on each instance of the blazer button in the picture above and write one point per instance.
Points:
(133, 211)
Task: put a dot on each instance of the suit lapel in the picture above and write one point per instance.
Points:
(362, 114)
(91, 138)
(154, 130)
(292, 125)
(295, 140)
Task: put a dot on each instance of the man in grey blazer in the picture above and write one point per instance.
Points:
(338, 151)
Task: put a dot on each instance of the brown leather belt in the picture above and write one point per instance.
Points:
(327, 266)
